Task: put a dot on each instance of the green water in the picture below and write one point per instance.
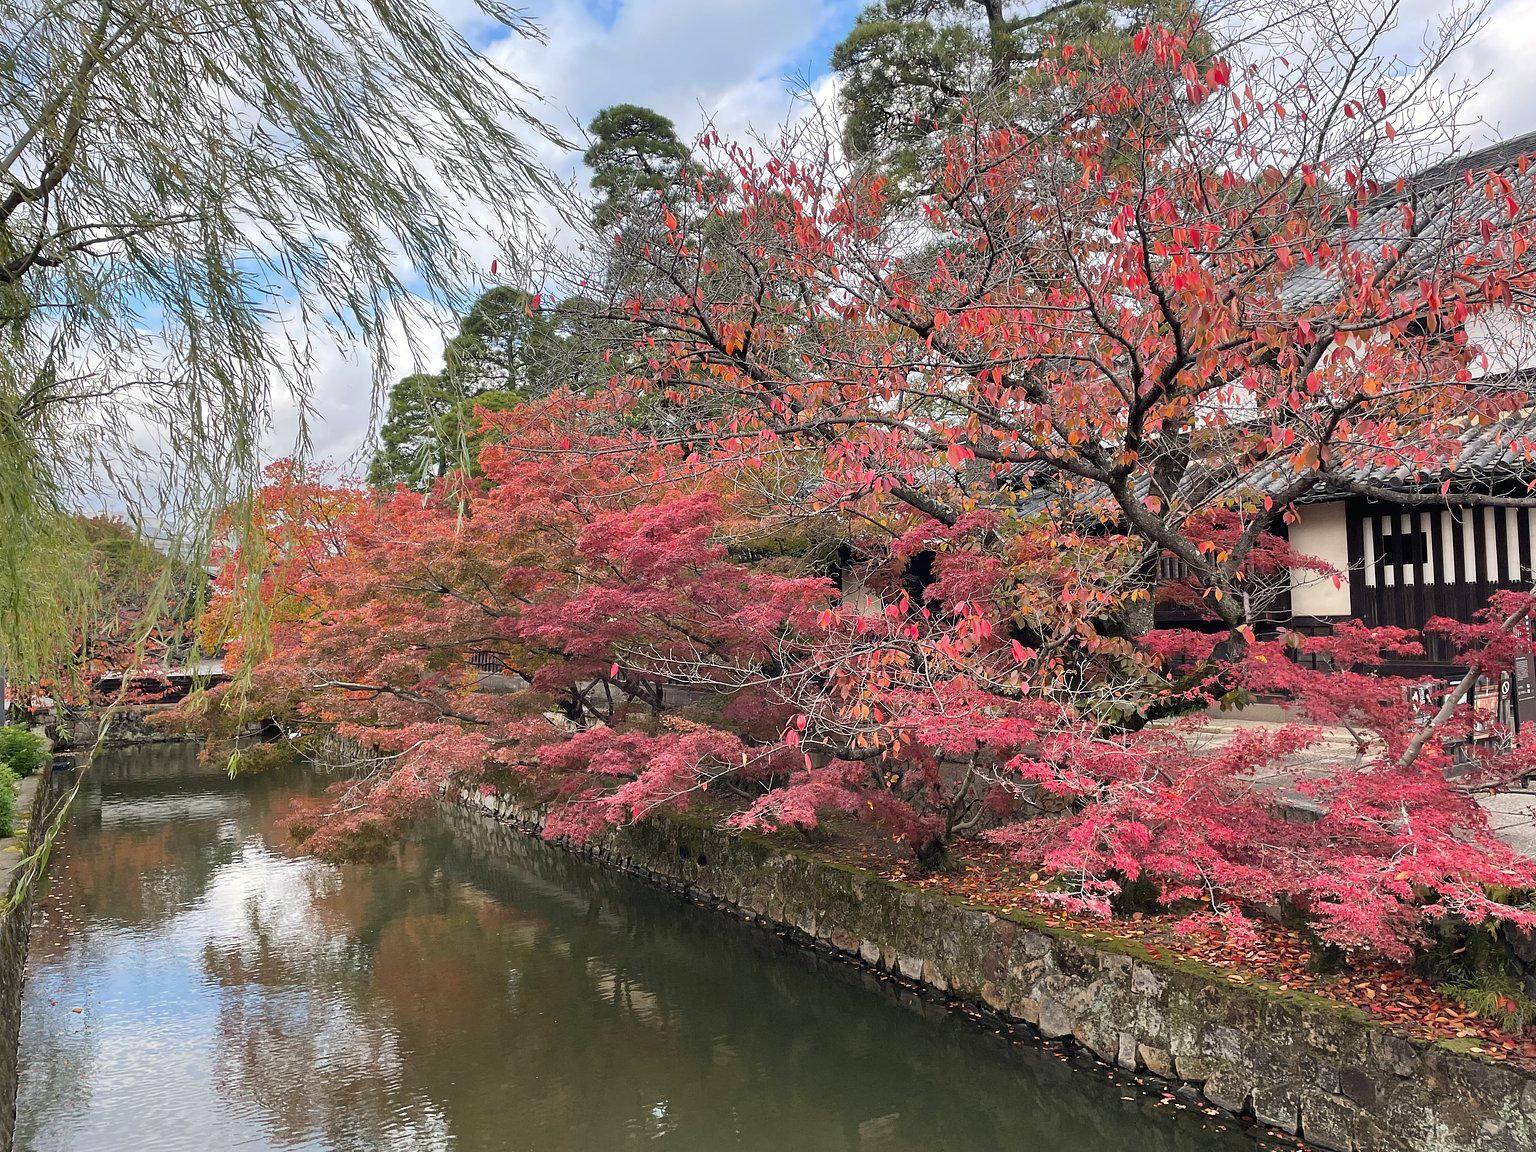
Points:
(195, 985)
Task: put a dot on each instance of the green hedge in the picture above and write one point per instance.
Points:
(22, 752)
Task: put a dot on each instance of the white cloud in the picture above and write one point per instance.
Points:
(736, 62)
(339, 375)
(1500, 60)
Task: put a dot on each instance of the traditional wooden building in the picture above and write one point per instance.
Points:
(1427, 553)
(1402, 566)
(1409, 546)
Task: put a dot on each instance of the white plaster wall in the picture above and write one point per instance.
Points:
(1506, 338)
(1321, 534)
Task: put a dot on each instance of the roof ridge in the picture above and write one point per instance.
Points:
(1491, 157)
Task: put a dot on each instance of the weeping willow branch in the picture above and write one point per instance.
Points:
(194, 194)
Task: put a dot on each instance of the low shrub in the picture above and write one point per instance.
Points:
(1495, 996)
(8, 782)
(1478, 966)
(22, 750)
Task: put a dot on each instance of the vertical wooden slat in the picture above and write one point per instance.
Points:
(1440, 529)
(1434, 565)
(1397, 604)
(1416, 569)
(1461, 574)
(1527, 561)
(1374, 616)
(1439, 581)
(1470, 576)
(1501, 544)
(1355, 546)
(1513, 518)
(1458, 596)
(1479, 547)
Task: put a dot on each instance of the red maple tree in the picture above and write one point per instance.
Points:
(891, 547)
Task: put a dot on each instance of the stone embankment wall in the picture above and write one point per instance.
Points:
(33, 805)
(1298, 1063)
(135, 725)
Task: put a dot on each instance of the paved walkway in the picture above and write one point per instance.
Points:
(1511, 813)
(1513, 817)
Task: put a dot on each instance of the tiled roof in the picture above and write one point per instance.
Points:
(1495, 157)
(1432, 187)
(1491, 457)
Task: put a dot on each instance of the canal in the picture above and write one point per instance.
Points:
(196, 985)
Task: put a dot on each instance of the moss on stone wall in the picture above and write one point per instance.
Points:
(37, 796)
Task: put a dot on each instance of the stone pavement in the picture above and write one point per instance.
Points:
(1513, 816)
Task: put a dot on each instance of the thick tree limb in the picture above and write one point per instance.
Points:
(1456, 695)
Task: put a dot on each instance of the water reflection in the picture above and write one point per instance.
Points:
(479, 992)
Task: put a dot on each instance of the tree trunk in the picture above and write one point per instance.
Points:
(999, 44)
(1139, 614)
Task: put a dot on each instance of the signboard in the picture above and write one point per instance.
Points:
(1485, 706)
(1524, 672)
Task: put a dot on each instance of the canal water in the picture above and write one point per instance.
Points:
(196, 985)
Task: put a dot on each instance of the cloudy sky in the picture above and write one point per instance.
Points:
(741, 63)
